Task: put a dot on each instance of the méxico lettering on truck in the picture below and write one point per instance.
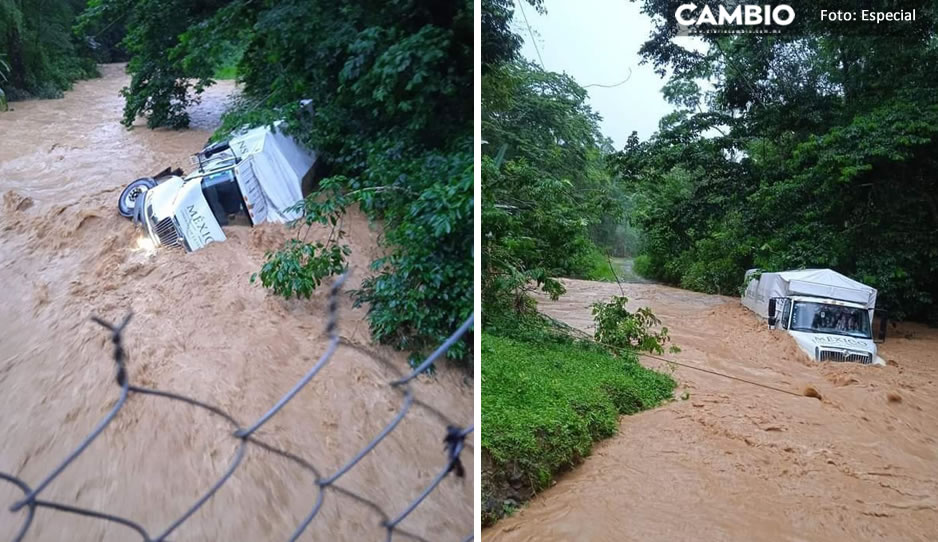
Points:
(199, 221)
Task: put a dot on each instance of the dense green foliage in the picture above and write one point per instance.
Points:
(544, 403)
(39, 56)
(812, 149)
(546, 187)
(299, 267)
(168, 71)
(390, 84)
(550, 208)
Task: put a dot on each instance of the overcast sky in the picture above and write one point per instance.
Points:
(597, 41)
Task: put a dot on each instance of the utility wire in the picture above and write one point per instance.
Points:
(531, 33)
(585, 336)
(539, 57)
(614, 85)
(717, 373)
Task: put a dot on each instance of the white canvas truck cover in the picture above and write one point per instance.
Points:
(825, 283)
(272, 164)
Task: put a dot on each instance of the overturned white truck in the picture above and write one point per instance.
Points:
(829, 315)
(258, 173)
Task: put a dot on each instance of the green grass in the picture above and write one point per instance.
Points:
(598, 267)
(626, 270)
(643, 267)
(544, 403)
(226, 72)
(228, 68)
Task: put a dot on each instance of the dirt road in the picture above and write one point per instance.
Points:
(739, 462)
(199, 329)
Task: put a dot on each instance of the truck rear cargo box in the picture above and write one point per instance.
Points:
(822, 283)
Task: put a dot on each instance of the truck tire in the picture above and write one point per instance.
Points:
(125, 205)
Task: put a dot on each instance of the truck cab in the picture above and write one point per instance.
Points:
(829, 315)
(189, 211)
(827, 329)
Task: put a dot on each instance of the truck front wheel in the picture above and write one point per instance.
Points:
(132, 192)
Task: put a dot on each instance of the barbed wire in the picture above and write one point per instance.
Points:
(453, 440)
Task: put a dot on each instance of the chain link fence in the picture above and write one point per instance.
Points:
(453, 440)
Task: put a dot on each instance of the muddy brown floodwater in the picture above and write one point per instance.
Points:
(739, 462)
(200, 329)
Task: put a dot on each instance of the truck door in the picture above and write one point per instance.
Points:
(785, 312)
(194, 218)
(254, 200)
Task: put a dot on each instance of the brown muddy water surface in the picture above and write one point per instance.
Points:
(738, 462)
(200, 329)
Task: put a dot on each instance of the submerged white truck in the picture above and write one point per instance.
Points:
(829, 315)
(258, 173)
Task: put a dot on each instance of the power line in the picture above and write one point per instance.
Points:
(717, 373)
(539, 57)
(585, 336)
(531, 33)
(620, 83)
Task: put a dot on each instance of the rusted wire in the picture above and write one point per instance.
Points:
(453, 439)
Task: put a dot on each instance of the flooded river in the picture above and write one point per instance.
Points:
(739, 462)
(200, 329)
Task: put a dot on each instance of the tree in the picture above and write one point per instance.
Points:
(391, 88)
(40, 57)
(813, 149)
(546, 185)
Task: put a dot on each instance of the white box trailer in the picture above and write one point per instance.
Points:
(829, 315)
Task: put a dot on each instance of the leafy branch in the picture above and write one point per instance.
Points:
(616, 326)
(299, 267)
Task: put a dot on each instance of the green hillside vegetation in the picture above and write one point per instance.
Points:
(544, 402)
(39, 56)
(814, 148)
(552, 206)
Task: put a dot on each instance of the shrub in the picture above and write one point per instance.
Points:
(642, 266)
(299, 267)
(617, 327)
(598, 267)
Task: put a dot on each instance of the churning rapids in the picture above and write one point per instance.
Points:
(737, 462)
(199, 329)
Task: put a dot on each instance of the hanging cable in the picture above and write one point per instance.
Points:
(531, 33)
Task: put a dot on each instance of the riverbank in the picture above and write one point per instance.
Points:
(546, 398)
(739, 462)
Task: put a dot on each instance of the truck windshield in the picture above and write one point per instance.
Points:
(833, 319)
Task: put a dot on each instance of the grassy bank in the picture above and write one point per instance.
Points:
(545, 400)
(622, 269)
(598, 267)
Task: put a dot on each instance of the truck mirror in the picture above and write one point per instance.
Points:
(772, 318)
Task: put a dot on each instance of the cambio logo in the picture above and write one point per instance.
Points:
(742, 15)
